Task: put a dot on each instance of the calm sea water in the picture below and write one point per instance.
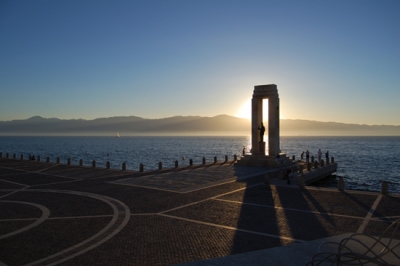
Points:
(364, 162)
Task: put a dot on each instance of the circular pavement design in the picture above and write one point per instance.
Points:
(120, 218)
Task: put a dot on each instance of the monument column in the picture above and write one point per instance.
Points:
(256, 120)
(273, 126)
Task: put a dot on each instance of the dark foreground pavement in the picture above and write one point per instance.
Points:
(70, 215)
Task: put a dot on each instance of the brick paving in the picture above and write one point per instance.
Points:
(71, 215)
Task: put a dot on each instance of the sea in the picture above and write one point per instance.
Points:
(363, 162)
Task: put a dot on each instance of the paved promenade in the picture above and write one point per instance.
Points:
(210, 215)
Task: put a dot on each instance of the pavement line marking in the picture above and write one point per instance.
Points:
(54, 183)
(57, 218)
(12, 191)
(369, 215)
(196, 202)
(232, 228)
(44, 169)
(109, 201)
(45, 215)
(14, 182)
(36, 172)
(291, 209)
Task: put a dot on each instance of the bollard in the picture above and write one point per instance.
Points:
(226, 158)
(294, 158)
(322, 162)
(69, 161)
(204, 160)
(93, 163)
(309, 167)
(1, 154)
(281, 175)
(190, 162)
(7, 155)
(108, 165)
(123, 166)
(266, 179)
(312, 159)
(301, 180)
(141, 167)
(38, 158)
(57, 159)
(235, 158)
(160, 166)
(14, 156)
(22, 156)
(385, 188)
(315, 164)
(332, 160)
(47, 159)
(176, 163)
(80, 162)
(341, 184)
(215, 159)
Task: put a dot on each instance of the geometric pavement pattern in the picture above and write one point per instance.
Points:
(54, 214)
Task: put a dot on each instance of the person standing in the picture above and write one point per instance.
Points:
(319, 155)
(302, 156)
(327, 156)
(307, 156)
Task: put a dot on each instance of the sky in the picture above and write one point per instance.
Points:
(332, 61)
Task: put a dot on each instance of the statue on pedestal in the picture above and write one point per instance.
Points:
(262, 131)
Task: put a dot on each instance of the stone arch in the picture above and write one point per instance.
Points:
(260, 93)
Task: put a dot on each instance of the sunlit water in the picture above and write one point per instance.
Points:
(364, 162)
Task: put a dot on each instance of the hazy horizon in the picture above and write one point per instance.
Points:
(158, 118)
(331, 60)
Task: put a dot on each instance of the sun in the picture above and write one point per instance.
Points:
(244, 111)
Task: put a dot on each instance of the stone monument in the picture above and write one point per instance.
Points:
(258, 156)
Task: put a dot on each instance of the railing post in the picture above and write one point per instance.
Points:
(123, 166)
(57, 159)
(7, 155)
(267, 179)
(22, 156)
(47, 159)
(14, 156)
(235, 158)
(190, 162)
(108, 165)
(226, 158)
(341, 184)
(141, 167)
(93, 163)
(385, 188)
(215, 159)
(294, 158)
(38, 158)
(69, 161)
(80, 162)
(176, 163)
(204, 160)
(160, 166)
(301, 180)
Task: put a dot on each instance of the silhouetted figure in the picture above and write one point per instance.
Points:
(244, 151)
(327, 156)
(262, 131)
(302, 156)
(307, 156)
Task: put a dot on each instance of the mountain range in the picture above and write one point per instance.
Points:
(222, 125)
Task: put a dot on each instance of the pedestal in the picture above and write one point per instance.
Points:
(261, 147)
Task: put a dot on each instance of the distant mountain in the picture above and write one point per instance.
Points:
(183, 125)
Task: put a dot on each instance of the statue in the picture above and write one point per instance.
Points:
(262, 131)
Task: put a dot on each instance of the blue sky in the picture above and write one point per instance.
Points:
(331, 60)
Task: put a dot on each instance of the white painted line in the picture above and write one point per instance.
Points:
(14, 183)
(232, 228)
(45, 215)
(369, 215)
(290, 209)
